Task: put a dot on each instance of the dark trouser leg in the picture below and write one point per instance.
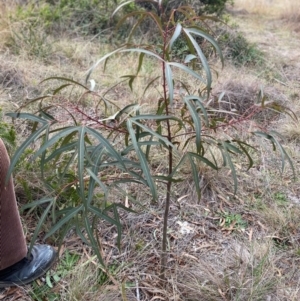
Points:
(12, 242)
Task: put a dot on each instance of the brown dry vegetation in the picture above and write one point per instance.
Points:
(244, 247)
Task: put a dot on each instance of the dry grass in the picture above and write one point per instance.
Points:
(287, 10)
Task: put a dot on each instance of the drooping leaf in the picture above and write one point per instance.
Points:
(39, 226)
(89, 230)
(204, 160)
(196, 120)
(80, 163)
(175, 36)
(225, 150)
(187, 70)
(55, 138)
(69, 215)
(65, 79)
(195, 175)
(21, 149)
(142, 159)
(150, 83)
(201, 56)
(169, 80)
(27, 116)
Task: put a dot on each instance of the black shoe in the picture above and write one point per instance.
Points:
(27, 270)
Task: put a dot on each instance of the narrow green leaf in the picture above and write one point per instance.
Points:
(89, 230)
(65, 79)
(120, 6)
(119, 227)
(111, 150)
(21, 149)
(80, 165)
(104, 58)
(71, 213)
(134, 27)
(204, 160)
(169, 79)
(202, 58)
(36, 203)
(27, 116)
(242, 146)
(230, 164)
(150, 83)
(55, 138)
(141, 50)
(283, 153)
(62, 150)
(141, 58)
(197, 122)
(195, 175)
(209, 38)
(189, 58)
(199, 101)
(175, 36)
(266, 136)
(103, 216)
(187, 70)
(39, 226)
(60, 88)
(153, 133)
(230, 147)
(97, 180)
(142, 159)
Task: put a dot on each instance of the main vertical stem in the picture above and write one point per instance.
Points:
(166, 215)
(164, 258)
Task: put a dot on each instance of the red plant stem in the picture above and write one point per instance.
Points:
(232, 122)
(98, 122)
(170, 167)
